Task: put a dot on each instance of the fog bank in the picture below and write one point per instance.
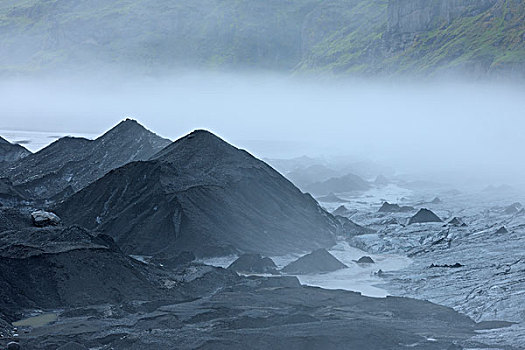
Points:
(447, 128)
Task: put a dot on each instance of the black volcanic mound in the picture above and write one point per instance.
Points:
(253, 263)
(394, 208)
(347, 183)
(455, 221)
(10, 152)
(70, 163)
(424, 215)
(318, 261)
(502, 229)
(203, 195)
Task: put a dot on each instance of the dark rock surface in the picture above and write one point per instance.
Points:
(14, 219)
(248, 312)
(69, 164)
(203, 195)
(394, 208)
(53, 267)
(105, 300)
(10, 195)
(253, 263)
(10, 152)
(347, 183)
(424, 215)
(318, 261)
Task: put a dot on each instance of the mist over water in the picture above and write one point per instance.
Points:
(443, 131)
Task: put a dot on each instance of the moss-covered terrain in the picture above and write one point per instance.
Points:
(340, 37)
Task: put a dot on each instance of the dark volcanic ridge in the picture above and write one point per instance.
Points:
(203, 195)
(70, 163)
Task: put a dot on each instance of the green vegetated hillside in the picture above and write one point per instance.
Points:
(353, 37)
(426, 37)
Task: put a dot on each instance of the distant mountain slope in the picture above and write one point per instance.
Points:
(203, 195)
(40, 34)
(70, 164)
(356, 37)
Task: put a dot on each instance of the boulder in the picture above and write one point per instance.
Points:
(436, 200)
(318, 261)
(43, 218)
(253, 263)
(423, 216)
(365, 260)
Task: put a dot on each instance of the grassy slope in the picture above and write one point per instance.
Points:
(335, 36)
(492, 40)
(37, 34)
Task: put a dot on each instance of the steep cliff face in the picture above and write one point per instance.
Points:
(478, 38)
